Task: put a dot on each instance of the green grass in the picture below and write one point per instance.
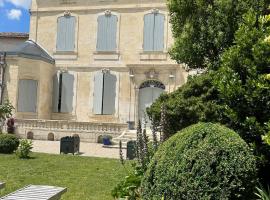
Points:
(86, 178)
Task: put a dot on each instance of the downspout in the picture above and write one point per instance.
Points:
(3, 67)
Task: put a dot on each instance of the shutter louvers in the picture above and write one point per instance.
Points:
(55, 97)
(67, 93)
(98, 93)
(109, 94)
(102, 33)
(70, 33)
(148, 43)
(111, 32)
(27, 97)
(61, 34)
(159, 32)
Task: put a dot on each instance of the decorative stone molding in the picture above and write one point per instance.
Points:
(105, 71)
(152, 74)
(155, 11)
(152, 83)
(67, 13)
(108, 12)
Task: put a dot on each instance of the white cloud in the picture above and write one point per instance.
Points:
(14, 14)
(20, 3)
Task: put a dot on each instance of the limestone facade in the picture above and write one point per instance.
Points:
(129, 63)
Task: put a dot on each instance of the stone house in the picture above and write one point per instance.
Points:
(90, 66)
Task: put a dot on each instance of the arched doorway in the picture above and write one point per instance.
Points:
(149, 91)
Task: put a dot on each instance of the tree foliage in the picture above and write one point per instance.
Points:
(237, 94)
(203, 161)
(204, 29)
(195, 101)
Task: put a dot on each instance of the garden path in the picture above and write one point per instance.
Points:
(86, 149)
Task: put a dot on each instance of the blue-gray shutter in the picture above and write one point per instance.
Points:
(102, 33)
(61, 34)
(148, 40)
(55, 97)
(98, 93)
(111, 32)
(67, 93)
(159, 32)
(109, 94)
(27, 97)
(70, 33)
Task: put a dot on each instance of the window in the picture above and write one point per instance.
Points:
(107, 30)
(63, 93)
(153, 32)
(27, 97)
(104, 93)
(66, 33)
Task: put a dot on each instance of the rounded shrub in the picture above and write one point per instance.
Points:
(204, 161)
(8, 143)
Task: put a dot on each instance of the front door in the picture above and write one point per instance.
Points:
(149, 92)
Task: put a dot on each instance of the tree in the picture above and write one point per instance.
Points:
(5, 112)
(244, 86)
(203, 29)
(195, 101)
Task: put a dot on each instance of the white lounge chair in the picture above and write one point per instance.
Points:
(36, 192)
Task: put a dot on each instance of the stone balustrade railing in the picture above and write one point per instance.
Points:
(56, 129)
(71, 125)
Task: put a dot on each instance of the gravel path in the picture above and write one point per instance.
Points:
(86, 149)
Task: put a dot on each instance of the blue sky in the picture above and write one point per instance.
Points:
(14, 15)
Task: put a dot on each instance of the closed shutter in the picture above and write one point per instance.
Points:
(67, 93)
(27, 97)
(70, 33)
(111, 32)
(148, 43)
(55, 97)
(109, 94)
(98, 93)
(61, 34)
(102, 33)
(159, 32)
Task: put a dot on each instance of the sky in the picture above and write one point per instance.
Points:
(14, 15)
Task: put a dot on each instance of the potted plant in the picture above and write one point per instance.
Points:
(107, 140)
(11, 125)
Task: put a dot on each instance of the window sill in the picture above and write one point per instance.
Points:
(106, 55)
(102, 118)
(63, 116)
(153, 55)
(26, 115)
(65, 55)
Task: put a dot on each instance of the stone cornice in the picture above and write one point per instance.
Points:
(128, 7)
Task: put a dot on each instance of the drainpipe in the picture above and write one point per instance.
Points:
(2, 68)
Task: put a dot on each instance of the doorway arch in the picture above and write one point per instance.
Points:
(149, 91)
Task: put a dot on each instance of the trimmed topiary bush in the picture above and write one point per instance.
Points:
(8, 143)
(204, 161)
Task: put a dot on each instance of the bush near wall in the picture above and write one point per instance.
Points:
(8, 143)
(203, 161)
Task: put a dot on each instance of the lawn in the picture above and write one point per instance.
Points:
(86, 178)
